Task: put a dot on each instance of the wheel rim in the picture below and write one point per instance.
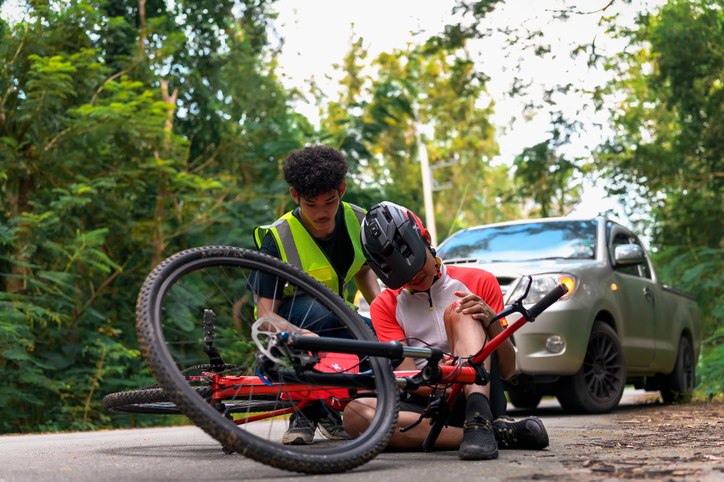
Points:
(222, 285)
(603, 368)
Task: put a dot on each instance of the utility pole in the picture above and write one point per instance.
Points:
(426, 181)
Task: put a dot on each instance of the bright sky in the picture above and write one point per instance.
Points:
(318, 34)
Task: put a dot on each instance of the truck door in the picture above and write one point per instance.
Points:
(636, 295)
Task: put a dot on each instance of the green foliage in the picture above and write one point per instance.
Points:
(667, 150)
(547, 177)
(699, 270)
(668, 155)
(432, 91)
(104, 171)
(711, 370)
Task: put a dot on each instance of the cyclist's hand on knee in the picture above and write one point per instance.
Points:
(471, 304)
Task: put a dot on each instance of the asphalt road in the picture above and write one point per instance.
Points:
(576, 452)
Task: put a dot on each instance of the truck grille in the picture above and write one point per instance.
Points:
(506, 284)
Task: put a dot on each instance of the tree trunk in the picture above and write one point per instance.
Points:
(17, 200)
(159, 241)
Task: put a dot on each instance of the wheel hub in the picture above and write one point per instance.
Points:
(599, 367)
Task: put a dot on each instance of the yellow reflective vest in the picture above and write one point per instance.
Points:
(300, 249)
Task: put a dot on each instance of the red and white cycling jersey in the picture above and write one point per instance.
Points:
(398, 314)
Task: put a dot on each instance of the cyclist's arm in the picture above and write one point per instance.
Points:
(505, 353)
(366, 282)
(492, 295)
(268, 308)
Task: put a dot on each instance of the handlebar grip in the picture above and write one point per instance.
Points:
(554, 295)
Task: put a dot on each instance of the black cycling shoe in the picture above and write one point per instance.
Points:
(478, 440)
(527, 434)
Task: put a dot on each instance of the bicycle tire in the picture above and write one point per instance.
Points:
(168, 311)
(153, 401)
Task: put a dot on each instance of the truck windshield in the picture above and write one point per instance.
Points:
(523, 242)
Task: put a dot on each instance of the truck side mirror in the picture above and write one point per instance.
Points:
(629, 254)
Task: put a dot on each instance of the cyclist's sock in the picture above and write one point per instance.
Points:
(478, 405)
(478, 439)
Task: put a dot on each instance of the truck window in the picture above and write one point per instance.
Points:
(644, 269)
(523, 242)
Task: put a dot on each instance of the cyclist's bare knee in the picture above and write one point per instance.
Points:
(465, 334)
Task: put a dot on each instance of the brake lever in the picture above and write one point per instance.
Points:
(530, 315)
(436, 409)
(517, 306)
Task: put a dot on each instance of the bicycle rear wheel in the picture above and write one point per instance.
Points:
(172, 316)
(152, 400)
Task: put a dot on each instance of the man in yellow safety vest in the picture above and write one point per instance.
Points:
(322, 238)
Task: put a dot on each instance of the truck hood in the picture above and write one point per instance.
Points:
(508, 274)
(522, 268)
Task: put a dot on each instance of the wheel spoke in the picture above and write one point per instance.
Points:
(172, 325)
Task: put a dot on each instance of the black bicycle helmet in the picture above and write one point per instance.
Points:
(393, 243)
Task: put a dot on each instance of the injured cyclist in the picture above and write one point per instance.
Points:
(430, 304)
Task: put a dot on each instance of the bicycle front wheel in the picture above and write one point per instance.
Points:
(198, 307)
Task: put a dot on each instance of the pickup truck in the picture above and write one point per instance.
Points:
(618, 324)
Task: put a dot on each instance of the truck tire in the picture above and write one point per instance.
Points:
(679, 384)
(599, 384)
(523, 399)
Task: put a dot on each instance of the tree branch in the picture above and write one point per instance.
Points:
(113, 77)
(10, 87)
(208, 161)
(65, 131)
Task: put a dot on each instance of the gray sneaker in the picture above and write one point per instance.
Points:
(301, 431)
(331, 426)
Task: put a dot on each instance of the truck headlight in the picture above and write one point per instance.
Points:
(555, 344)
(542, 284)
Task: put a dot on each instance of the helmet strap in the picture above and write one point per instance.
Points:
(438, 264)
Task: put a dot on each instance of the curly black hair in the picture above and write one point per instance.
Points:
(315, 170)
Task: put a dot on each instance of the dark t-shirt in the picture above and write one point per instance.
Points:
(338, 249)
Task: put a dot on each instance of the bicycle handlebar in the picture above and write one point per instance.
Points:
(556, 293)
(517, 307)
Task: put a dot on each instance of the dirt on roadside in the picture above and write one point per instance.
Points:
(655, 442)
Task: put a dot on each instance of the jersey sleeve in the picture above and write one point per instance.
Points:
(382, 312)
(492, 295)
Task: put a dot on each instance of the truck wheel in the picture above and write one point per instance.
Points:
(678, 386)
(521, 399)
(599, 384)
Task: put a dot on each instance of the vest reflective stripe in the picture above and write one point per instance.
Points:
(293, 238)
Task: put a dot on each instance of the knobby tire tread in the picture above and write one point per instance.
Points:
(153, 349)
